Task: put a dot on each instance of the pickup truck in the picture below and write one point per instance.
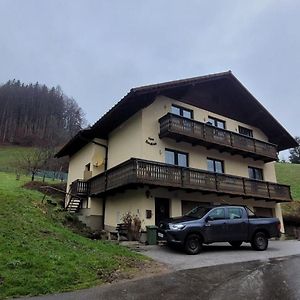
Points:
(206, 225)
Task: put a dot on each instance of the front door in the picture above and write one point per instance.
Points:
(162, 209)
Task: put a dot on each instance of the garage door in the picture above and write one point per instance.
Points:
(189, 205)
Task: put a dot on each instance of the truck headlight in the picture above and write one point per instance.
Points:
(176, 226)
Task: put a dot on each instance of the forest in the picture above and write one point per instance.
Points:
(35, 115)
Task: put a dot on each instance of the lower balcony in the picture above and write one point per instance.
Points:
(136, 172)
(79, 188)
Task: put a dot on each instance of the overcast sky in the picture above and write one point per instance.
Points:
(97, 50)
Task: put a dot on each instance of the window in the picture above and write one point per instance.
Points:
(235, 213)
(177, 158)
(255, 173)
(216, 122)
(180, 111)
(217, 214)
(214, 165)
(245, 131)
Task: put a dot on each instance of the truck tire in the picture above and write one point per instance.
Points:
(259, 241)
(236, 244)
(193, 244)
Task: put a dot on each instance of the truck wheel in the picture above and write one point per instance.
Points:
(259, 242)
(236, 244)
(193, 244)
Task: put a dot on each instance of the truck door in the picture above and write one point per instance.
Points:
(215, 226)
(237, 224)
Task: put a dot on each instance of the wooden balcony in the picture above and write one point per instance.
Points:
(198, 133)
(79, 188)
(136, 172)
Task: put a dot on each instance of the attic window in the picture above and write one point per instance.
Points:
(181, 111)
(245, 131)
(216, 122)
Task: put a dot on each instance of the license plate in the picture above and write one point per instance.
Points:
(160, 235)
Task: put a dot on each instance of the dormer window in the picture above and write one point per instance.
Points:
(216, 122)
(245, 131)
(181, 111)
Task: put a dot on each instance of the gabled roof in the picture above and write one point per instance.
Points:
(221, 93)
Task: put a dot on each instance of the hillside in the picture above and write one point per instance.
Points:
(38, 255)
(289, 174)
(8, 155)
(35, 115)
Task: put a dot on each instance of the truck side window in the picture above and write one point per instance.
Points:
(235, 213)
(217, 214)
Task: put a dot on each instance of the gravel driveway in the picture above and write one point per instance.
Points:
(219, 253)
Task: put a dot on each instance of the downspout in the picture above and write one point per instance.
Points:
(105, 184)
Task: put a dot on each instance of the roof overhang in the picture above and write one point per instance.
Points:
(221, 93)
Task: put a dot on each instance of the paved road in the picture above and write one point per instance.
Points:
(276, 278)
(219, 253)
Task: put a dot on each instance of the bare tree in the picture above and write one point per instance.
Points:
(31, 162)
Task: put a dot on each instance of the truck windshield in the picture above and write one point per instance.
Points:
(198, 212)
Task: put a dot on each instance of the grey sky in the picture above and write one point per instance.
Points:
(97, 50)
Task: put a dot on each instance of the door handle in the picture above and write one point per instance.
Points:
(207, 225)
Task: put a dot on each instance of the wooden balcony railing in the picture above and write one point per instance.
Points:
(79, 188)
(137, 171)
(198, 133)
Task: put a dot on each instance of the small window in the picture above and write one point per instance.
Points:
(215, 165)
(255, 173)
(245, 131)
(216, 122)
(177, 158)
(217, 214)
(235, 213)
(181, 111)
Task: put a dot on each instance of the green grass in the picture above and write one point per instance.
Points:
(8, 155)
(39, 255)
(289, 174)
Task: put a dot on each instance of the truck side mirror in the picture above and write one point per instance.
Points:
(208, 218)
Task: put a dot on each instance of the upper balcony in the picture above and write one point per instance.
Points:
(198, 133)
(134, 172)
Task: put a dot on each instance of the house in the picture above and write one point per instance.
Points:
(168, 147)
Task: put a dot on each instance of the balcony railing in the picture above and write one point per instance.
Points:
(79, 188)
(137, 171)
(198, 133)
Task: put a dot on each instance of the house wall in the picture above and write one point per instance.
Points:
(92, 213)
(125, 141)
(233, 164)
(90, 153)
(136, 202)
(133, 201)
(129, 140)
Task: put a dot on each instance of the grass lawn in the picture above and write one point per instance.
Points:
(8, 155)
(289, 174)
(39, 255)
